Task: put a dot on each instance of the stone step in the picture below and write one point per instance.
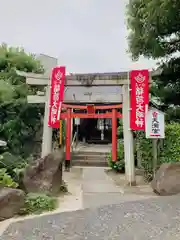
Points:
(91, 153)
(89, 163)
(86, 157)
(93, 159)
(90, 157)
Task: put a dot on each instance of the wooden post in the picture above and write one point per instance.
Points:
(72, 126)
(114, 135)
(68, 140)
(155, 155)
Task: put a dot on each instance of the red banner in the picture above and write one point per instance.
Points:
(56, 95)
(139, 98)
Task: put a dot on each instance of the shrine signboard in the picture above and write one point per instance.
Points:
(93, 94)
(155, 124)
(139, 98)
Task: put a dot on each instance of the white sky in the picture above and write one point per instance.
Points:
(85, 35)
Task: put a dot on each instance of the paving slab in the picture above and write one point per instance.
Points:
(156, 219)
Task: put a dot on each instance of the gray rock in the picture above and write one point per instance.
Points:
(11, 201)
(167, 179)
(45, 174)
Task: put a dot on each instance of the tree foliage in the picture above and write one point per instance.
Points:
(154, 32)
(154, 27)
(19, 122)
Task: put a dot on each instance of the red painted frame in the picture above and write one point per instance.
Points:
(68, 115)
(105, 107)
(86, 115)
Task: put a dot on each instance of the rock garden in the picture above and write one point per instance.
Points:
(36, 190)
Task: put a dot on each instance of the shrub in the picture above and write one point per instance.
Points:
(171, 144)
(10, 161)
(145, 149)
(38, 203)
(14, 166)
(168, 149)
(6, 180)
(120, 129)
(119, 165)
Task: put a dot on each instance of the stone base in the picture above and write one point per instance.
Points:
(131, 183)
(67, 165)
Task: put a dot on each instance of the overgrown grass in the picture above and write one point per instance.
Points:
(119, 165)
(38, 203)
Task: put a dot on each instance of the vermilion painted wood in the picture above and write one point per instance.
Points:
(113, 114)
(68, 135)
(114, 135)
(85, 115)
(106, 107)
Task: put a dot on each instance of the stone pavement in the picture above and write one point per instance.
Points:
(157, 218)
(106, 213)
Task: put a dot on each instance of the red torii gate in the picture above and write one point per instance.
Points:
(68, 114)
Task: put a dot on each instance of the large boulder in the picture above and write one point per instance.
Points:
(45, 174)
(11, 201)
(167, 179)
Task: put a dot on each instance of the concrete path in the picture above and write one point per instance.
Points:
(90, 188)
(97, 188)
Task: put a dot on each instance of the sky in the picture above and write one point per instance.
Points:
(85, 35)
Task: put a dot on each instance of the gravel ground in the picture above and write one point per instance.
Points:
(157, 218)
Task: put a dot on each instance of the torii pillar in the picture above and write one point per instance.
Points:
(48, 63)
(128, 138)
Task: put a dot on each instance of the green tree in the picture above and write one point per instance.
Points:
(19, 122)
(154, 32)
